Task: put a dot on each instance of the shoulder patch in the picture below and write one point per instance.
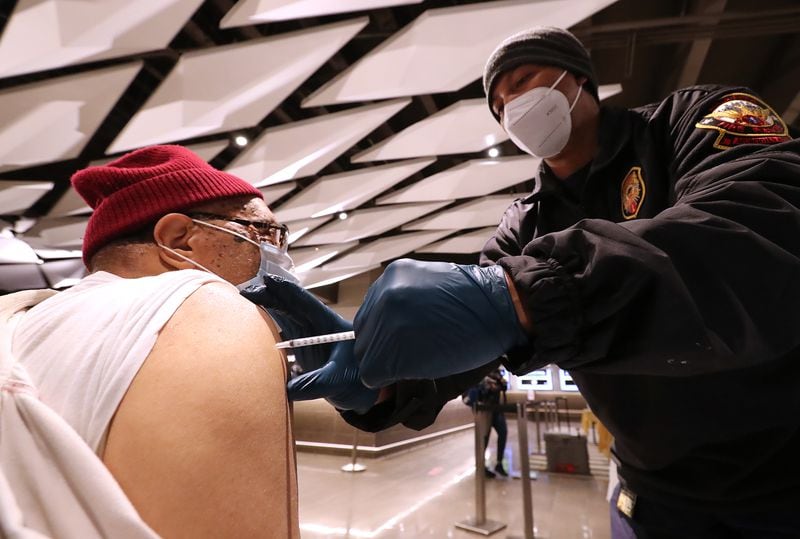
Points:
(632, 193)
(741, 118)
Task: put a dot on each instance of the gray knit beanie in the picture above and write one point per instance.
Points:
(544, 45)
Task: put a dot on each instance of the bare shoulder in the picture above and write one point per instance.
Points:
(202, 441)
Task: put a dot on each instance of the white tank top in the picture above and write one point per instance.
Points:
(83, 347)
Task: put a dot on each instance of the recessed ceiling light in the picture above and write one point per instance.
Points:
(493, 152)
(241, 141)
(343, 215)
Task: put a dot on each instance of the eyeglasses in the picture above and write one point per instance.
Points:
(274, 233)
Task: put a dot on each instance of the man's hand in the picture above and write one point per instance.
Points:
(433, 319)
(330, 371)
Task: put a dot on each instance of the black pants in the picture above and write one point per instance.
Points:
(653, 520)
(499, 425)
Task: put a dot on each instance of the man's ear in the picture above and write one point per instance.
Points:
(176, 232)
(581, 79)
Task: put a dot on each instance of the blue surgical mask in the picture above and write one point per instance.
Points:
(274, 260)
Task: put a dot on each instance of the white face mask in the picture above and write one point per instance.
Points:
(274, 260)
(539, 121)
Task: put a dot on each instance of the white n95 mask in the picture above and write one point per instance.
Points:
(539, 120)
(274, 260)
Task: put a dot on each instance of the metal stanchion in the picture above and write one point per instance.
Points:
(527, 499)
(479, 523)
(536, 417)
(354, 466)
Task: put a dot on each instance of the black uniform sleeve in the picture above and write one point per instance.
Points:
(709, 284)
(416, 403)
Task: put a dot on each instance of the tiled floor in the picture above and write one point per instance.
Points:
(422, 492)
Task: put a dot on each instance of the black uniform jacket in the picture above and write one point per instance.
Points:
(668, 284)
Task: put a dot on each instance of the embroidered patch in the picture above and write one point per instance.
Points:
(744, 119)
(632, 192)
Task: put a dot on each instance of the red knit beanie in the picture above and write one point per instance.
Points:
(142, 186)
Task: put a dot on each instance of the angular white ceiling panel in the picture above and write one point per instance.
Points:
(384, 249)
(469, 179)
(304, 148)
(63, 233)
(207, 151)
(369, 222)
(298, 229)
(306, 258)
(274, 192)
(232, 86)
(63, 273)
(16, 197)
(71, 202)
(45, 34)
(470, 242)
(249, 12)
(15, 251)
(463, 127)
(317, 277)
(345, 191)
(486, 211)
(445, 49)
(15, 277)
(52, 120)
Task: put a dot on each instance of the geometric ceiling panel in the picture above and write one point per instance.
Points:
(16, 197)
(71, 202)
(304, 148)
(469, 179)
(369, 222)
(445, 49)
(232, 86)
(57, 254)
(15, 251)
(63, 273)
(204, 150)
(467, 243)
(298, 229)
(305, 258)
(249, 12)
(52, 120)
(275, 192)
(481, 212)
(21, 277)
(347, 190)
(45, 34)
(384, 249)
(63, 233)
(465, 126)
(207, 151)
(317, 277)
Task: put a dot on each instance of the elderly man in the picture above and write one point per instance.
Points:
(167, 373)
(657, 259)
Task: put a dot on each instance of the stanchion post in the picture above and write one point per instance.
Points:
(354, 466)
(479, 523)
(527, 499)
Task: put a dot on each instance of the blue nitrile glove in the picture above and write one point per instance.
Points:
(426, 320)
(330, 371)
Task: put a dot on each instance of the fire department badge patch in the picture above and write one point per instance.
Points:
(632, 192)
(744, 119)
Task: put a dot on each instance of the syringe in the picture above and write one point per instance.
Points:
(318, 339)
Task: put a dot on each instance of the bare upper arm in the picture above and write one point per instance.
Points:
(201, 442)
